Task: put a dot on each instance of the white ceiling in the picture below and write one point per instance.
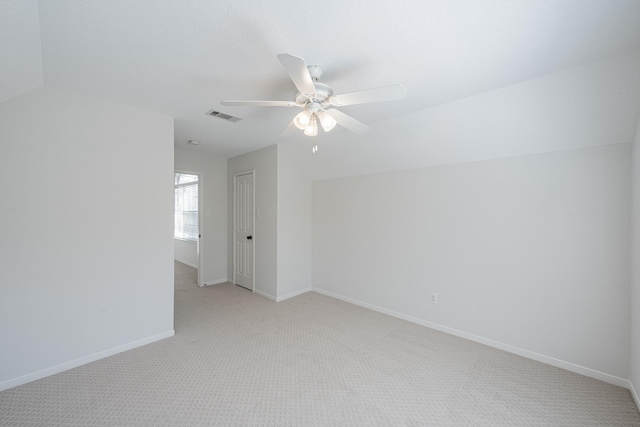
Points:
(20, 52)
(181, 58)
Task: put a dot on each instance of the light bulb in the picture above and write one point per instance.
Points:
(312, 127)
(302, 119)
(326, 120)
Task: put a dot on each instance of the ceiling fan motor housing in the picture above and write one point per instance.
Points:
(322, 95)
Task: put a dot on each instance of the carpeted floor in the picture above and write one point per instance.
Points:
(240, 359)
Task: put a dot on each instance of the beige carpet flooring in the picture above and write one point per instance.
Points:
(240, 359)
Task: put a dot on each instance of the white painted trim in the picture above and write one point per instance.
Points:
(588, 372)
(216, 282)
(634, 395)
(293, 294)
(82, 361)
(266, 295)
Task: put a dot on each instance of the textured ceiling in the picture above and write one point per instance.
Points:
(181, 58)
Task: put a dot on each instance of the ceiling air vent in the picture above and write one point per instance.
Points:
(227, 117)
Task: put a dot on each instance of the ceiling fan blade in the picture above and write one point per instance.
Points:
(298, 72)
(259, 103)
(347, 121)
(386, 93)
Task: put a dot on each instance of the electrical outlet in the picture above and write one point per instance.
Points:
(434, 298)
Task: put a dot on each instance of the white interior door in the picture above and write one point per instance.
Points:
(243, 227)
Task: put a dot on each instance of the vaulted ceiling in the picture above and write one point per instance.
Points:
(181, 58)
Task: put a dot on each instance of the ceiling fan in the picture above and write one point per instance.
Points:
(318, 101)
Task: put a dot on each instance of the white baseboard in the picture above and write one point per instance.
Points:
(292, 294)
(82, 361)
(634, 394)
(588, 372)
(283, 297)
(266, 295)
(215, 282)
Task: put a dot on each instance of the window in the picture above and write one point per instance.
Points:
(186, 211)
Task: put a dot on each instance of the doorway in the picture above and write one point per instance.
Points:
(188, 230)
(244, 229)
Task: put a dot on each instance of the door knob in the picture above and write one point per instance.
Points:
(249, 237)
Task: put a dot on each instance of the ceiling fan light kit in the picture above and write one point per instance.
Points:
(312, 127)
(301, 121)
(318, 101)
(327, 121)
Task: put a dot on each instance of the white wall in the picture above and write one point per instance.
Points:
(186, 251)
(265, 163)
(635, 269)
(214, 217)
(529, 251)
(20, 48)
(294, 224)
(80, 175)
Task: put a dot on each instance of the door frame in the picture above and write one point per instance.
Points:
(253, 220)
(199, 245)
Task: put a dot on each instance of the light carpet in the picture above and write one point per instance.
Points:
(240, 359)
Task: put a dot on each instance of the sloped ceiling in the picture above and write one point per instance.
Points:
(181, 58)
